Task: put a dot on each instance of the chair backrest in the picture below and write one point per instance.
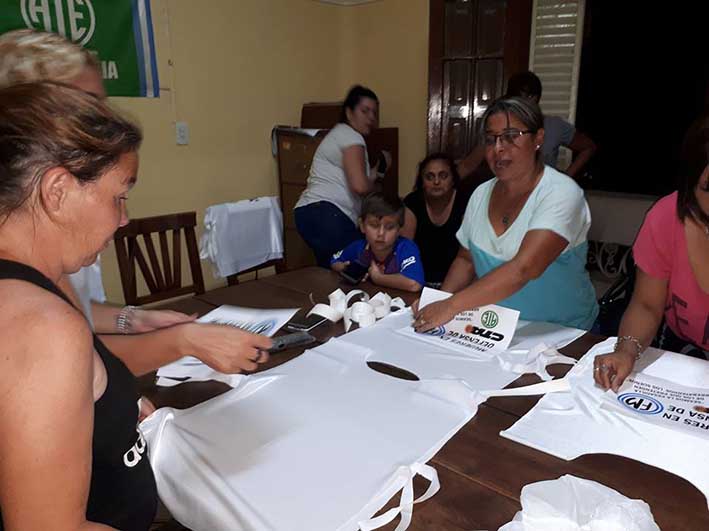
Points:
(162, 277)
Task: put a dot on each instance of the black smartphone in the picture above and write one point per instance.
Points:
(305, 324)
(354, 273)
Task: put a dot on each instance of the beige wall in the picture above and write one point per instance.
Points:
(240, 67)
(385, 46)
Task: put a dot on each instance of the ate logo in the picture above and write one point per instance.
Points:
(489, 319)
(641, 403)
(74, 19)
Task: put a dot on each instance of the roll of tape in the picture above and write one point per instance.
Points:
(364, 311)
(367, 320)
(328, 312)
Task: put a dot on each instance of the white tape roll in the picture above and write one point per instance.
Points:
(364, 311)
(367, 320)
(397, 304)
(328, 312)
(380, 310)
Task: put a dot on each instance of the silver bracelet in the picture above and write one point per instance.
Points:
(638, 346)
(123, 320)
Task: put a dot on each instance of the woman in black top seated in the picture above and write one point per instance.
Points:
(71, 457)
(434, 212)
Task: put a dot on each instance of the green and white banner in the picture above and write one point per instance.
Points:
(119, 31)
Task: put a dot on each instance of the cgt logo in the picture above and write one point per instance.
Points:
(641, 404)
(73, 19)
(487, 334)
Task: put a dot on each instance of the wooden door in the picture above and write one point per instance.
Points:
(474, 47)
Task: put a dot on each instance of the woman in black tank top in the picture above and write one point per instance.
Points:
(71, 456)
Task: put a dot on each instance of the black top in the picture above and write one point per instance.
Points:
(123, 492)
(438, 245)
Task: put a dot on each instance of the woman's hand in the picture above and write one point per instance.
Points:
(225, 348)
(148, 320)
(611, 370)
(433, 315)
(145, 408)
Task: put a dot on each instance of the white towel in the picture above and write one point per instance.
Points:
(241, 235)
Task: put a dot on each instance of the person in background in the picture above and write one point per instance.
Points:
(327, 211)
(523, 237)
(557, 132)
(434, 212)
(392, 260)
(671, 254)
(29, 56)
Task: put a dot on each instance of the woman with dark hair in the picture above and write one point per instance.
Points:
(434, 211)
(671, 253)
(340, 176)
(523, 237)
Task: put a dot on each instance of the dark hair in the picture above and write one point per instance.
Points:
(44, 125)
(527, 111)
(430, 158)
(694, 160)
(354, 96)
(524, 83)
(380, 205)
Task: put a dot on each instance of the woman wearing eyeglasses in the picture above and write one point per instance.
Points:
(434, 212)
(523, 238)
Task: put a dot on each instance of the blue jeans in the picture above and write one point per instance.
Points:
(326, 229)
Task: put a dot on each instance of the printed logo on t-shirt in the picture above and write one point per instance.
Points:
(337, 255)
(133, 456)
(407, 262)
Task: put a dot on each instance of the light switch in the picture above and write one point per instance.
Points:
(182, 133)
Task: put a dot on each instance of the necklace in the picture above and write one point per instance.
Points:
(706, 231)
(506, 217)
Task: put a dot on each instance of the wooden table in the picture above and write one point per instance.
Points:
(481, 473)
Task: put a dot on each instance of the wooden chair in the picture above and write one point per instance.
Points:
(164, 280)
(278, 264)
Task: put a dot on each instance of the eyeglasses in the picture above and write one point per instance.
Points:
(508, 138)
(441, 176)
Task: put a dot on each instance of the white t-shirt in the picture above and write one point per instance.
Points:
(327, 180)
(563, 294)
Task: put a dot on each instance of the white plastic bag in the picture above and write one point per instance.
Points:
(574, 504)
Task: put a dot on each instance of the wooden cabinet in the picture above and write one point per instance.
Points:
(295, 155)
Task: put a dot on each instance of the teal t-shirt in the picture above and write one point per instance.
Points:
(563, 294)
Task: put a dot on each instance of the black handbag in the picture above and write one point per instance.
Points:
(613, 303)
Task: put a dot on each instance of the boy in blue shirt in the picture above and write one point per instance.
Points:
(393, 261)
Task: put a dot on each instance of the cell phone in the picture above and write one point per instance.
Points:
(305, 324)
(297, 339)
(354, 273)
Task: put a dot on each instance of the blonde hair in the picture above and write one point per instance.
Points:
(29, 55)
